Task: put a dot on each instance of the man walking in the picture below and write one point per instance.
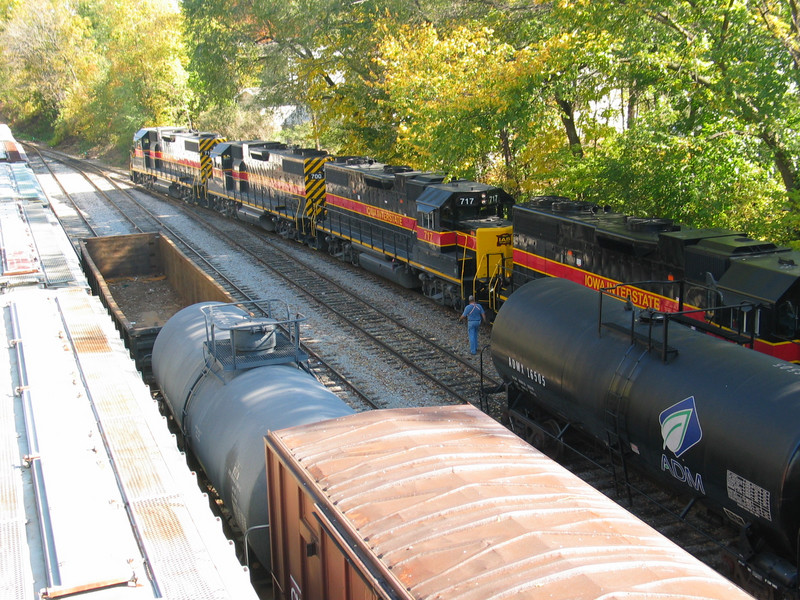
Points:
(474, 314)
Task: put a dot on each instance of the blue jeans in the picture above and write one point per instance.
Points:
(473, 327)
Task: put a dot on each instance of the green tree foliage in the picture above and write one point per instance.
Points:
(492, 105)
(223, 41)
(319, 54)
(96, 69)
(144, 82)
(49, 61)
(686, 109)
(712, 99)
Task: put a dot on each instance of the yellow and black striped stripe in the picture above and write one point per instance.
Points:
(314, 170)
(205, 146)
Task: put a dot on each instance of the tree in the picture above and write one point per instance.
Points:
(144, 82)
(49, 61)
(97, 70)
(721, 70)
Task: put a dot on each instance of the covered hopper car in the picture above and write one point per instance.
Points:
(11, 151)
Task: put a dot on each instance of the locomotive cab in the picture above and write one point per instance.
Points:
(146, 150)
(471, 217)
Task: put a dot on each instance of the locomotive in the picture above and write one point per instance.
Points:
(176, 155)
(725, 283)
(447, 238)
(708, 418)
(270, 185)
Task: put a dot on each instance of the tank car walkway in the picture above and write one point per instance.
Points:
(95, 497)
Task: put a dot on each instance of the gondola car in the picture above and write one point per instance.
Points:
(745, 290)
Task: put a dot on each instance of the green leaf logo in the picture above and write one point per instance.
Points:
(674, 428)
(680, 427)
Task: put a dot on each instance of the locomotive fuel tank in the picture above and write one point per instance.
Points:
(715, 419)
(226, 395)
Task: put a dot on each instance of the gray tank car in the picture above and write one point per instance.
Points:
(228, 378)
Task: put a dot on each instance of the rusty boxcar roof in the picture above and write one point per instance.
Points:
(449, 504)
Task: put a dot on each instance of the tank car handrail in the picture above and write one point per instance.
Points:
(665, 317)
(271, 319)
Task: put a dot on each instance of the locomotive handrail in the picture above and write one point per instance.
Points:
(492, 277)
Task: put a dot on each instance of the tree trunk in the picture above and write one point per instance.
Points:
(783, 161)
(506, 145)
(568, 118)
(633, 99)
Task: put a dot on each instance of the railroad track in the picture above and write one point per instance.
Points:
(405, 337)
(402, 338)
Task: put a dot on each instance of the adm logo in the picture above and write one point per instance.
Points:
(680, 430)
(680, 426)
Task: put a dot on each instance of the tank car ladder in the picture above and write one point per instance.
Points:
(623, 376)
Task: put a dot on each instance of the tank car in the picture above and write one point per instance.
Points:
(228, 375)
(177, 156)
(451, 239)
(278, 188)
(711, 419)
(714, 269)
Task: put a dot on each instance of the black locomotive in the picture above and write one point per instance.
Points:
(449, 238)
(748, 290)
(175, 155)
